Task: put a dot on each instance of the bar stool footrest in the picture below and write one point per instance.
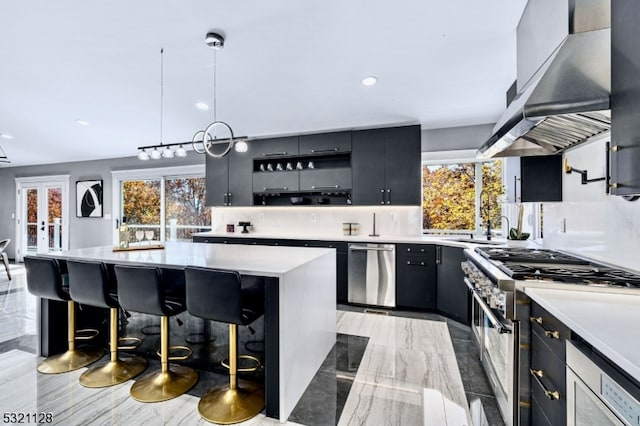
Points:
(87, 334)
(177, 357)
(258, 364)
(129, 343)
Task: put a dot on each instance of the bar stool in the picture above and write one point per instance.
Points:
(142, 289)
(44, 279)
(3, 256)
(89, 284)
(225, 296)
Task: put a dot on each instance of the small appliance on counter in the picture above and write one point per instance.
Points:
(244, 225)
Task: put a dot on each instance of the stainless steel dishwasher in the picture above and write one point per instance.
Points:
(372, 274)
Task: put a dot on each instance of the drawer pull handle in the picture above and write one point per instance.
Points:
(552, 334)
(325, 187)
(415, 263)
(271, 154)
(315, 151)
(275, 189)
(538, 374)
(415, 250)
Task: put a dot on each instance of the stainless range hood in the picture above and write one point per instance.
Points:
(566, 98)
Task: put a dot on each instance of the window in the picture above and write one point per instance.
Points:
(461, 196)
(167, 207)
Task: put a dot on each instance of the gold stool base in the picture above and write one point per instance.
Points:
(226, 406)
(70, 360)
(158, 386)
(113, 372)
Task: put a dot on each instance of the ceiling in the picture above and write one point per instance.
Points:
(287, 67)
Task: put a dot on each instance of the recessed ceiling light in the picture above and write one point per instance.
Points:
(202, 106)
(82, 122)
(370, 80)
(4, 135)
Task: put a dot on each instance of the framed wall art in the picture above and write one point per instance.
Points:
(89, 198)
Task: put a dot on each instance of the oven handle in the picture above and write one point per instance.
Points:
(500, 328)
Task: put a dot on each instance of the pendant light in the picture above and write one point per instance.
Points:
(203, 140)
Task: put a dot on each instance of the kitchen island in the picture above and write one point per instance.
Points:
(300, 308)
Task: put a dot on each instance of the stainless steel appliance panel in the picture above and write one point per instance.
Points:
(594, 397)
(372, 274)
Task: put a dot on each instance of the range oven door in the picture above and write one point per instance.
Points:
(498, 356)
(477, 318)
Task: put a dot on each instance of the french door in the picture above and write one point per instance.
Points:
(42, 224)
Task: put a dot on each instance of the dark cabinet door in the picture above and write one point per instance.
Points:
(275, 147)
(368, 165)
(402, 168)
(541, 178)
(454, 299)
(217, 181)
(625, 92)
(325, 180)
(325, 143)
(416, 276)
(240, 176)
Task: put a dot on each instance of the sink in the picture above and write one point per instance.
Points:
(478, 241)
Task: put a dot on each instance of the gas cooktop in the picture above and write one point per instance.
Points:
(550, 265)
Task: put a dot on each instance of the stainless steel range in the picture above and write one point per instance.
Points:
(500, 313)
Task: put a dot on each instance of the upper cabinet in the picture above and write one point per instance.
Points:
(228, 180)
(376, 166)
(386, 166)
(534, 179)
(625, 97)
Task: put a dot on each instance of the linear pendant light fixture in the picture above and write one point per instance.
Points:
(161, 150)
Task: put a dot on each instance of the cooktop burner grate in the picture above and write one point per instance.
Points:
(579, 274)
(514, 254)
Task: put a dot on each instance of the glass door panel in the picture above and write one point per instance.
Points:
(185, 210)
(141, 205)
(54, 219)
(31, 220)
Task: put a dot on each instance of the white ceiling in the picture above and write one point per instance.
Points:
(288, 66)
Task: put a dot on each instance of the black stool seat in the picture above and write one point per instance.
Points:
(89, 284)
(226, 296)
(3, 256)
(143, 289)
(45, 279)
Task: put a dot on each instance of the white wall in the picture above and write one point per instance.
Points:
(602, 227)
(320, 220)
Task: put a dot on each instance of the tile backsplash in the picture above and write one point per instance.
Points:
(316, 220)
(589, 222)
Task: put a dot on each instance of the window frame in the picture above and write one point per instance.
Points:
(458, 157)
(161, 173)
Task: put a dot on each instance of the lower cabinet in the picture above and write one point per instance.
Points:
(341, 254)
(548, 370)
(454, 299)
(416, 276)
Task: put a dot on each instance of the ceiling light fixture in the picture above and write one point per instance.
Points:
(202, 106)
(6, 136)
(161, 150)
(369, 80)
(204, 140)
(82, 122)
(3, 156)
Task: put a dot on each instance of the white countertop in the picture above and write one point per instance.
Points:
(250, 260)
(448, 240)
(609, 322)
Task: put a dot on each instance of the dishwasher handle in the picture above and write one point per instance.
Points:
(366, 248)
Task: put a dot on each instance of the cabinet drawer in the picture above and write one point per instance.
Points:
(553, 332)
(325, 180)
(325, 143)
(414, 250)
(275, 181)
(555, 410)
(553, 368)
(277, 147)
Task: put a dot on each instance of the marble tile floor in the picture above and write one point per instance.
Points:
(385, 370)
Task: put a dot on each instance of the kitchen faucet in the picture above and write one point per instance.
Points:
(487, 211)
(508, 226)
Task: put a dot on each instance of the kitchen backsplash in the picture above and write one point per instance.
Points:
(589, 222)
(326, 221)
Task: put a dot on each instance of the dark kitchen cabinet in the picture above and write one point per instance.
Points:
(548, 370)
(534, 179)
(325, 143)
(454, 299)
(341, 254)
(274, 147)
(338, 179)
(386, 166)
(228, 180)
(416, 276)
(625, 95)
(276, 181)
